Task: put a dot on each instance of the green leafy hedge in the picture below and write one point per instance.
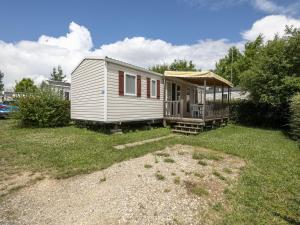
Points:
(44, 108)
(250, 113)
(295, 117)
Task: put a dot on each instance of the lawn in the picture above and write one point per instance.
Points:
(268, 191)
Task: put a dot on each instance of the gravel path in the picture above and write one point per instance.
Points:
(127, 193)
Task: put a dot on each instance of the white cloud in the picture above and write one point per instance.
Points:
(267, 6)
(269, 26)
(79, 39)
(36, 59)
(147, 52)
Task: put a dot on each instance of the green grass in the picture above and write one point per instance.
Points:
(159, 176)
(206, 155)
(267, 192)
(176, 180)
(67, 151)
(219, 175)
(148, 166)
(195, 188)
(169, 160)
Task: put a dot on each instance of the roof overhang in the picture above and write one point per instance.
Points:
(199, 77)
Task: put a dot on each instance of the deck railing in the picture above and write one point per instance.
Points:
(173, 108)
(212, 110)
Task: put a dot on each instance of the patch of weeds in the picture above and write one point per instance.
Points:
(176, 221)
(202, 163)
(159, 176)
(217, 206)
(148, 166)
(219, 175)
(163, 154)
(182, 153)
(206, 155)
(200, 175)
(195, 188)
(177, 180)
(169, 160)
(173, 174)
(167, 190)
(227, 170)
(188, 173)
(102, 179)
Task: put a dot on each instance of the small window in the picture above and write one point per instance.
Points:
(153, 88)
(130, 84)
(67, 95)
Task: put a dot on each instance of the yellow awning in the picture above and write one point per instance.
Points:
(199, 77)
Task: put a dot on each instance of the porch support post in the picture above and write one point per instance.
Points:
(222, 100)
(164, 102)
(204, 102)
(214, 93)
(165, 96)
(214, 105)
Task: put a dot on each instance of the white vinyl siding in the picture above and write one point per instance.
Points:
(87, 91)
(131, 108)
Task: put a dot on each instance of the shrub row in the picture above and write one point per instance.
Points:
(44, 108)
(295, 117)
(250, 113)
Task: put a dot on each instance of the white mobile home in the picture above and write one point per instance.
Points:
(106, 90)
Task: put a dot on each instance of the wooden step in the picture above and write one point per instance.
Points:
(188, 123)
(186, 127)
(185, 131)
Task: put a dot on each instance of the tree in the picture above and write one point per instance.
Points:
(176, 65)
(57, 75)
(1, 81)
(160, 68)
(26, 85)
(229, 66)
(182, 65)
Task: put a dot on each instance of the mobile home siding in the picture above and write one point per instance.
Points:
(130, 108)
(87, 91)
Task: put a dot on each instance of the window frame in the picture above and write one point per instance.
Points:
(153, 96)
(135, 84)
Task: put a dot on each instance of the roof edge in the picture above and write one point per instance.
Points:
(118, 62)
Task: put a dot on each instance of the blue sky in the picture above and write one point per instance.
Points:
(43, 34)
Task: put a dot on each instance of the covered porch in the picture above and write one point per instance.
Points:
(196, 97)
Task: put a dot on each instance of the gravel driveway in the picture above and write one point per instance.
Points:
(158, 188)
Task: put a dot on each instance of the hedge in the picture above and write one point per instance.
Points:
(250, 113)
(295, 117)
(44, 108)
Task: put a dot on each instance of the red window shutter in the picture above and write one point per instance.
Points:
(148, 87)
(139, 86)
(121, 83)
(158, 89)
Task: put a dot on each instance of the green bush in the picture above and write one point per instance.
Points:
(295, 117)
(250, 113)
(44, 108)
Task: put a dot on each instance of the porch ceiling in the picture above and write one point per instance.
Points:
(199, 77)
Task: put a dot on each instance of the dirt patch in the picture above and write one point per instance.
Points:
(145, 190)
(11, 180)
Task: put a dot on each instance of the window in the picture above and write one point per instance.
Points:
(130, 84)
(67, 95)
(153, 88)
